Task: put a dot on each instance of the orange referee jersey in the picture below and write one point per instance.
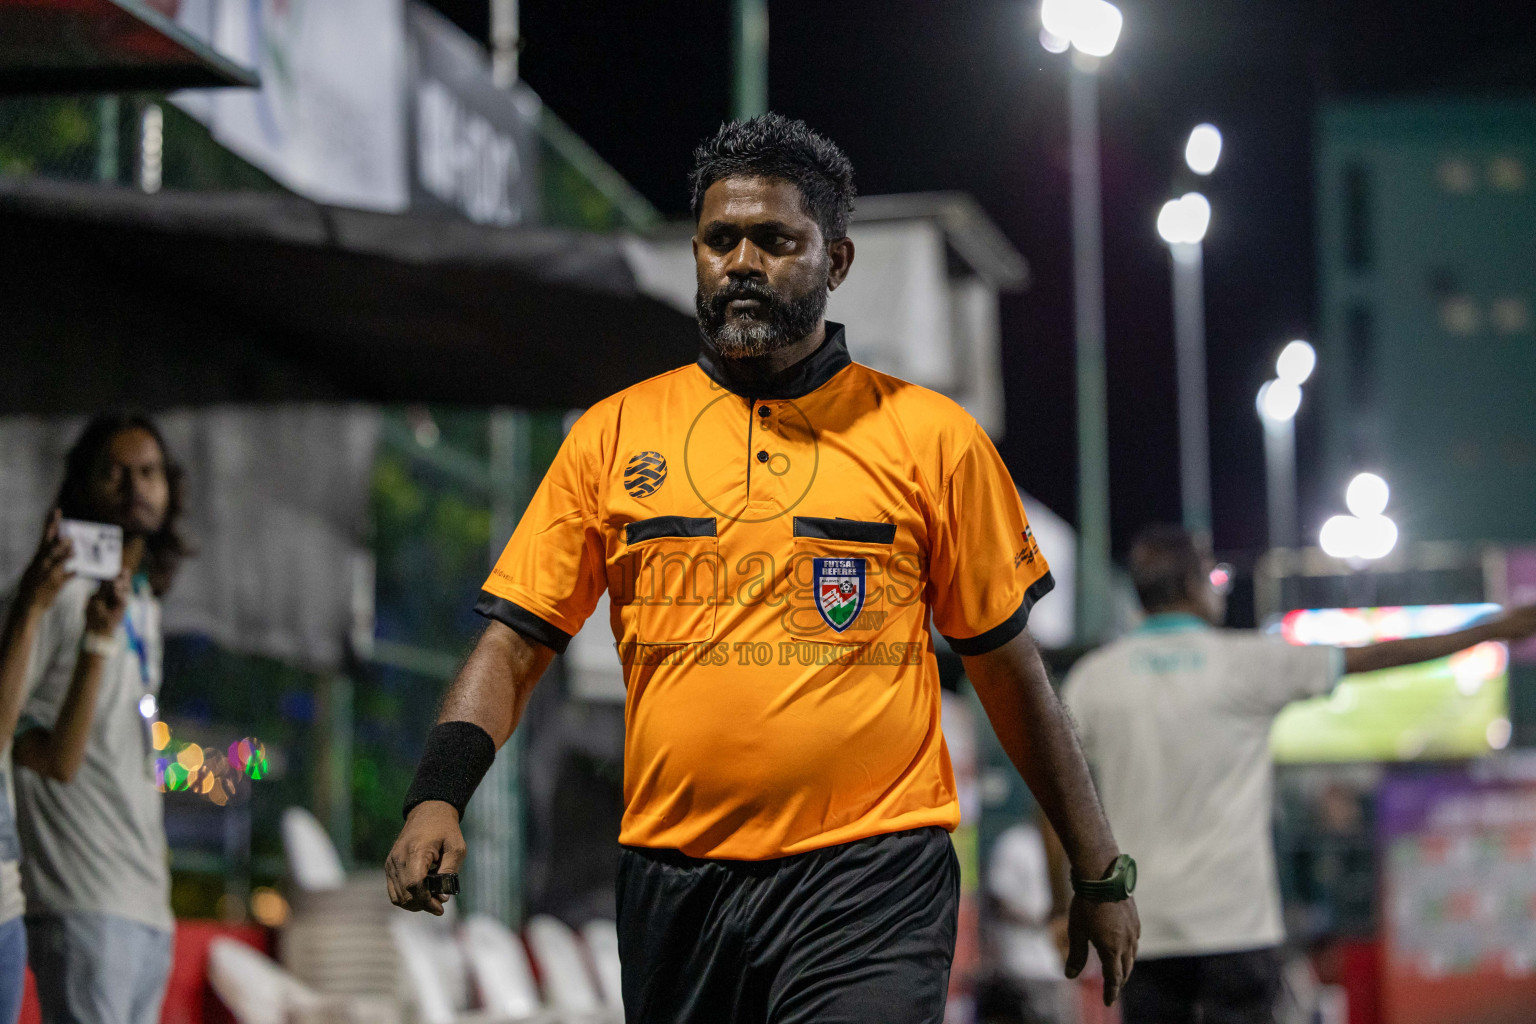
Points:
(773, 560)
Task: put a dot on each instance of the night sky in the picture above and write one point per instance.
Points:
(958, 94)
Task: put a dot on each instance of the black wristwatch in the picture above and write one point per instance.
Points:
(1113, 887)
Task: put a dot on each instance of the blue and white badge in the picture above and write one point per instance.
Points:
(839, 584)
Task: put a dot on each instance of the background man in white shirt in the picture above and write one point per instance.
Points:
(94, 864)
(1175, 722)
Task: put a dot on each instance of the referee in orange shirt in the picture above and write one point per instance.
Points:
(776, 527)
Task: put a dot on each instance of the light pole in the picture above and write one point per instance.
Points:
(1182, 224)
(504, 43)
(1090, 28)
(1278, 402)
(749, 49)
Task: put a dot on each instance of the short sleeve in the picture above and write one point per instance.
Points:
(985, 568)
(1277, 673)
(55, 651)
(550, 575)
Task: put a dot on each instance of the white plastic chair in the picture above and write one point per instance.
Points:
(602, 939)
(568, 983)
(433, 968)
(256, 989)
(313, 863)
(498, 963)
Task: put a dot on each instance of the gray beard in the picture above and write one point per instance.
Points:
(748, 340)
(780, 323)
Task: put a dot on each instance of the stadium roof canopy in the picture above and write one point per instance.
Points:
(114, 298)
(104, 46)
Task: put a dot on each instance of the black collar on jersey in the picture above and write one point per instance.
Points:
(796, 381)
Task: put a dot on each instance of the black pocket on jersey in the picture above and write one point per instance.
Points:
(827, 552)
(855, 531)
(675, 578)
(668, 526)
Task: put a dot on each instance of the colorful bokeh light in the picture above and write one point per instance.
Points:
(207, 771)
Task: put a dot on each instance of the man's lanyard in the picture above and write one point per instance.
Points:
(148, 704)
(137, 645)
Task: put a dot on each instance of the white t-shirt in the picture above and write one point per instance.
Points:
(96, 843)
(1019, 878)
(1175, 721)
(12, 903)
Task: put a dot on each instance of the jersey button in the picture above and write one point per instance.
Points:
(764, 411)
(762, 456)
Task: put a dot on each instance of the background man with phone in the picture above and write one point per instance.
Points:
(80, 670)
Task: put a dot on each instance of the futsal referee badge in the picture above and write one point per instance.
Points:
(839, 590)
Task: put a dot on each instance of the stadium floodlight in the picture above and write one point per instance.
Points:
(1367, 534)
(1296, 362)
(1279, 401)
(1183, 221)
(1092, 26)
(1340, 537)
(1203, 149)
(1375, 537)
(1367, 495)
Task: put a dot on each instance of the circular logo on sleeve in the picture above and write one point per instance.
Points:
(644, 473)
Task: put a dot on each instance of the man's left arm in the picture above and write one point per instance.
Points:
(1036, 733)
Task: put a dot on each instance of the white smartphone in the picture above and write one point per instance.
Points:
(98, 548)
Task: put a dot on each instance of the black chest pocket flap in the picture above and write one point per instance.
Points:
(671, 579)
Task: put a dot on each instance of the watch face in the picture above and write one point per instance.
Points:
(1130, 875)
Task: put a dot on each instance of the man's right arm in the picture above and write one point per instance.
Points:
(491, 691)
(36, 591)
(1514, 625)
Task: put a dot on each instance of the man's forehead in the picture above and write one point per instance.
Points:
(753, 198)
(134, 445)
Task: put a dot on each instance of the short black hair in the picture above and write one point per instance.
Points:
(774, 146)
(1164, 558)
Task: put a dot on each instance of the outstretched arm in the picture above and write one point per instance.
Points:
(491, 691)
(1037, 735)
(1515, 624)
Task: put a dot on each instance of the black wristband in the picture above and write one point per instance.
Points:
(457, 756)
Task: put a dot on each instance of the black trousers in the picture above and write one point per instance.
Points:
(851, 934)
(1218, 988)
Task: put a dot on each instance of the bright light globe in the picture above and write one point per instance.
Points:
(1367, 495)
(1098, 28)
(1296, 362)
(1203, 149)
(1340, 537)
(1059, 17)
(1375, 537)
(1279, 401)
(1093, 26)
(1183, 221)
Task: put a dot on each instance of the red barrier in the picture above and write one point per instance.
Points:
(1360, 974)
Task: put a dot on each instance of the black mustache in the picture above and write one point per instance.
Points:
(743, 290)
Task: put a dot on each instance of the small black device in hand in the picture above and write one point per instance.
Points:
(445, 884)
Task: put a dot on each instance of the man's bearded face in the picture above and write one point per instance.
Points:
(746, 317)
